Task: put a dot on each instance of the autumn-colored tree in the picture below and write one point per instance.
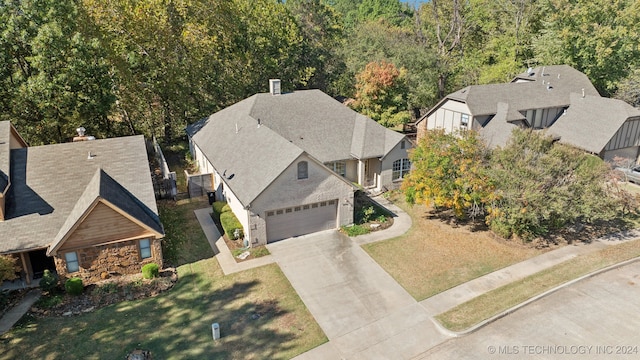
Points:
(449, 171)
(7, 268)
(381, 93)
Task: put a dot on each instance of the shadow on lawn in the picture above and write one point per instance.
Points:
(174, 325)
(448, 217)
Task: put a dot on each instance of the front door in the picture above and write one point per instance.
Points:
(40, 262)
(370, 173)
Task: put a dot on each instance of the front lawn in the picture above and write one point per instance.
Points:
(260, 316)
(434, 256)
(498, 300)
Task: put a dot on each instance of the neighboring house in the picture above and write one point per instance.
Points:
(557, 98)
(285, 163)
(83, 209)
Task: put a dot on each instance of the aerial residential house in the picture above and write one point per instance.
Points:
(287, 163)
(557, 98)
(83, 208)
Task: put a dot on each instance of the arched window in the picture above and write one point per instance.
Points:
(401, 168)
(303, 170)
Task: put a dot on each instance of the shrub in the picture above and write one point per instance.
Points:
(50, 301)
(49, 281)
(74, 286)
(150, 270)
(355, 230)
(229, 224)
(219, 207)
(7, 268)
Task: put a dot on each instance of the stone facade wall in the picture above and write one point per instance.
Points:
(104, 261)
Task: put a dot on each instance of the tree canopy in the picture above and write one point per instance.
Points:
(528, 188)
(149, 66)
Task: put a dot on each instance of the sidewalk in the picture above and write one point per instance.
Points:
(401, 224)
(448, 299)
(220, 248)
(12, 316)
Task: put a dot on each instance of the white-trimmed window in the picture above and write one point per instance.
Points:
(464, 120)
(145, 249)
(72, 261)
(339, 167)
(303, 170)
(401, 168)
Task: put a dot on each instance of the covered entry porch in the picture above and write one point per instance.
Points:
(30, 266)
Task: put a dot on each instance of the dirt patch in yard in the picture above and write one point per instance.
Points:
(105, 293)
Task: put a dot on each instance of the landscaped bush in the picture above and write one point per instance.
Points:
(49, 281)
(150, 270)
(219, 207)
(356, 230)
(74, 286)
(229, 224)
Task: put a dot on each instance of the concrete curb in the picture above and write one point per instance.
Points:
(530, 301)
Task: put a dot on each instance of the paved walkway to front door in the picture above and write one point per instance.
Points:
(363, 311)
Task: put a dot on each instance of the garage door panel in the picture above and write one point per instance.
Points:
(300, 220)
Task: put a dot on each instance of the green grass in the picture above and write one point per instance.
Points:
(184, 241)
(355, 230)
(496, 301)
(177, 324)
(259, 312)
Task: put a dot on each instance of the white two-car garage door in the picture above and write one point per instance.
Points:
(300, 220)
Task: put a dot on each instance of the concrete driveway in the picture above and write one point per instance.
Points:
(595, 319)
(362, 310)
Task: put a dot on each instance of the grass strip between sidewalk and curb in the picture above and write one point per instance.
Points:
(496, 301)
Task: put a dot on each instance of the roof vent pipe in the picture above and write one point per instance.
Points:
(274, 86)
(259, 123)
(542, 73)
(583, 92)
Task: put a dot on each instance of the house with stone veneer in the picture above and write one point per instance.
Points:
(287, 163)
(557, 99)
(83, 208)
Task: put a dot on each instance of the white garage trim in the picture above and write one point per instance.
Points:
(300, 220)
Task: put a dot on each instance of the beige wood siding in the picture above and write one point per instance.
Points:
(103, 225)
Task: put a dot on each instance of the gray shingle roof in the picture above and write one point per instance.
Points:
(303, 121)
(530, 93)
(48, 181)
(590, 122)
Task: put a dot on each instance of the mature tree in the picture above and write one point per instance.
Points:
(377, 41)
(392, 11)
(177, 62)
(543, 186)
(444, 23)
(598, 37)
(322, 31)
(449, 171)
(497, 40)
(629, 89)
(381, 93)
(55, 76)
